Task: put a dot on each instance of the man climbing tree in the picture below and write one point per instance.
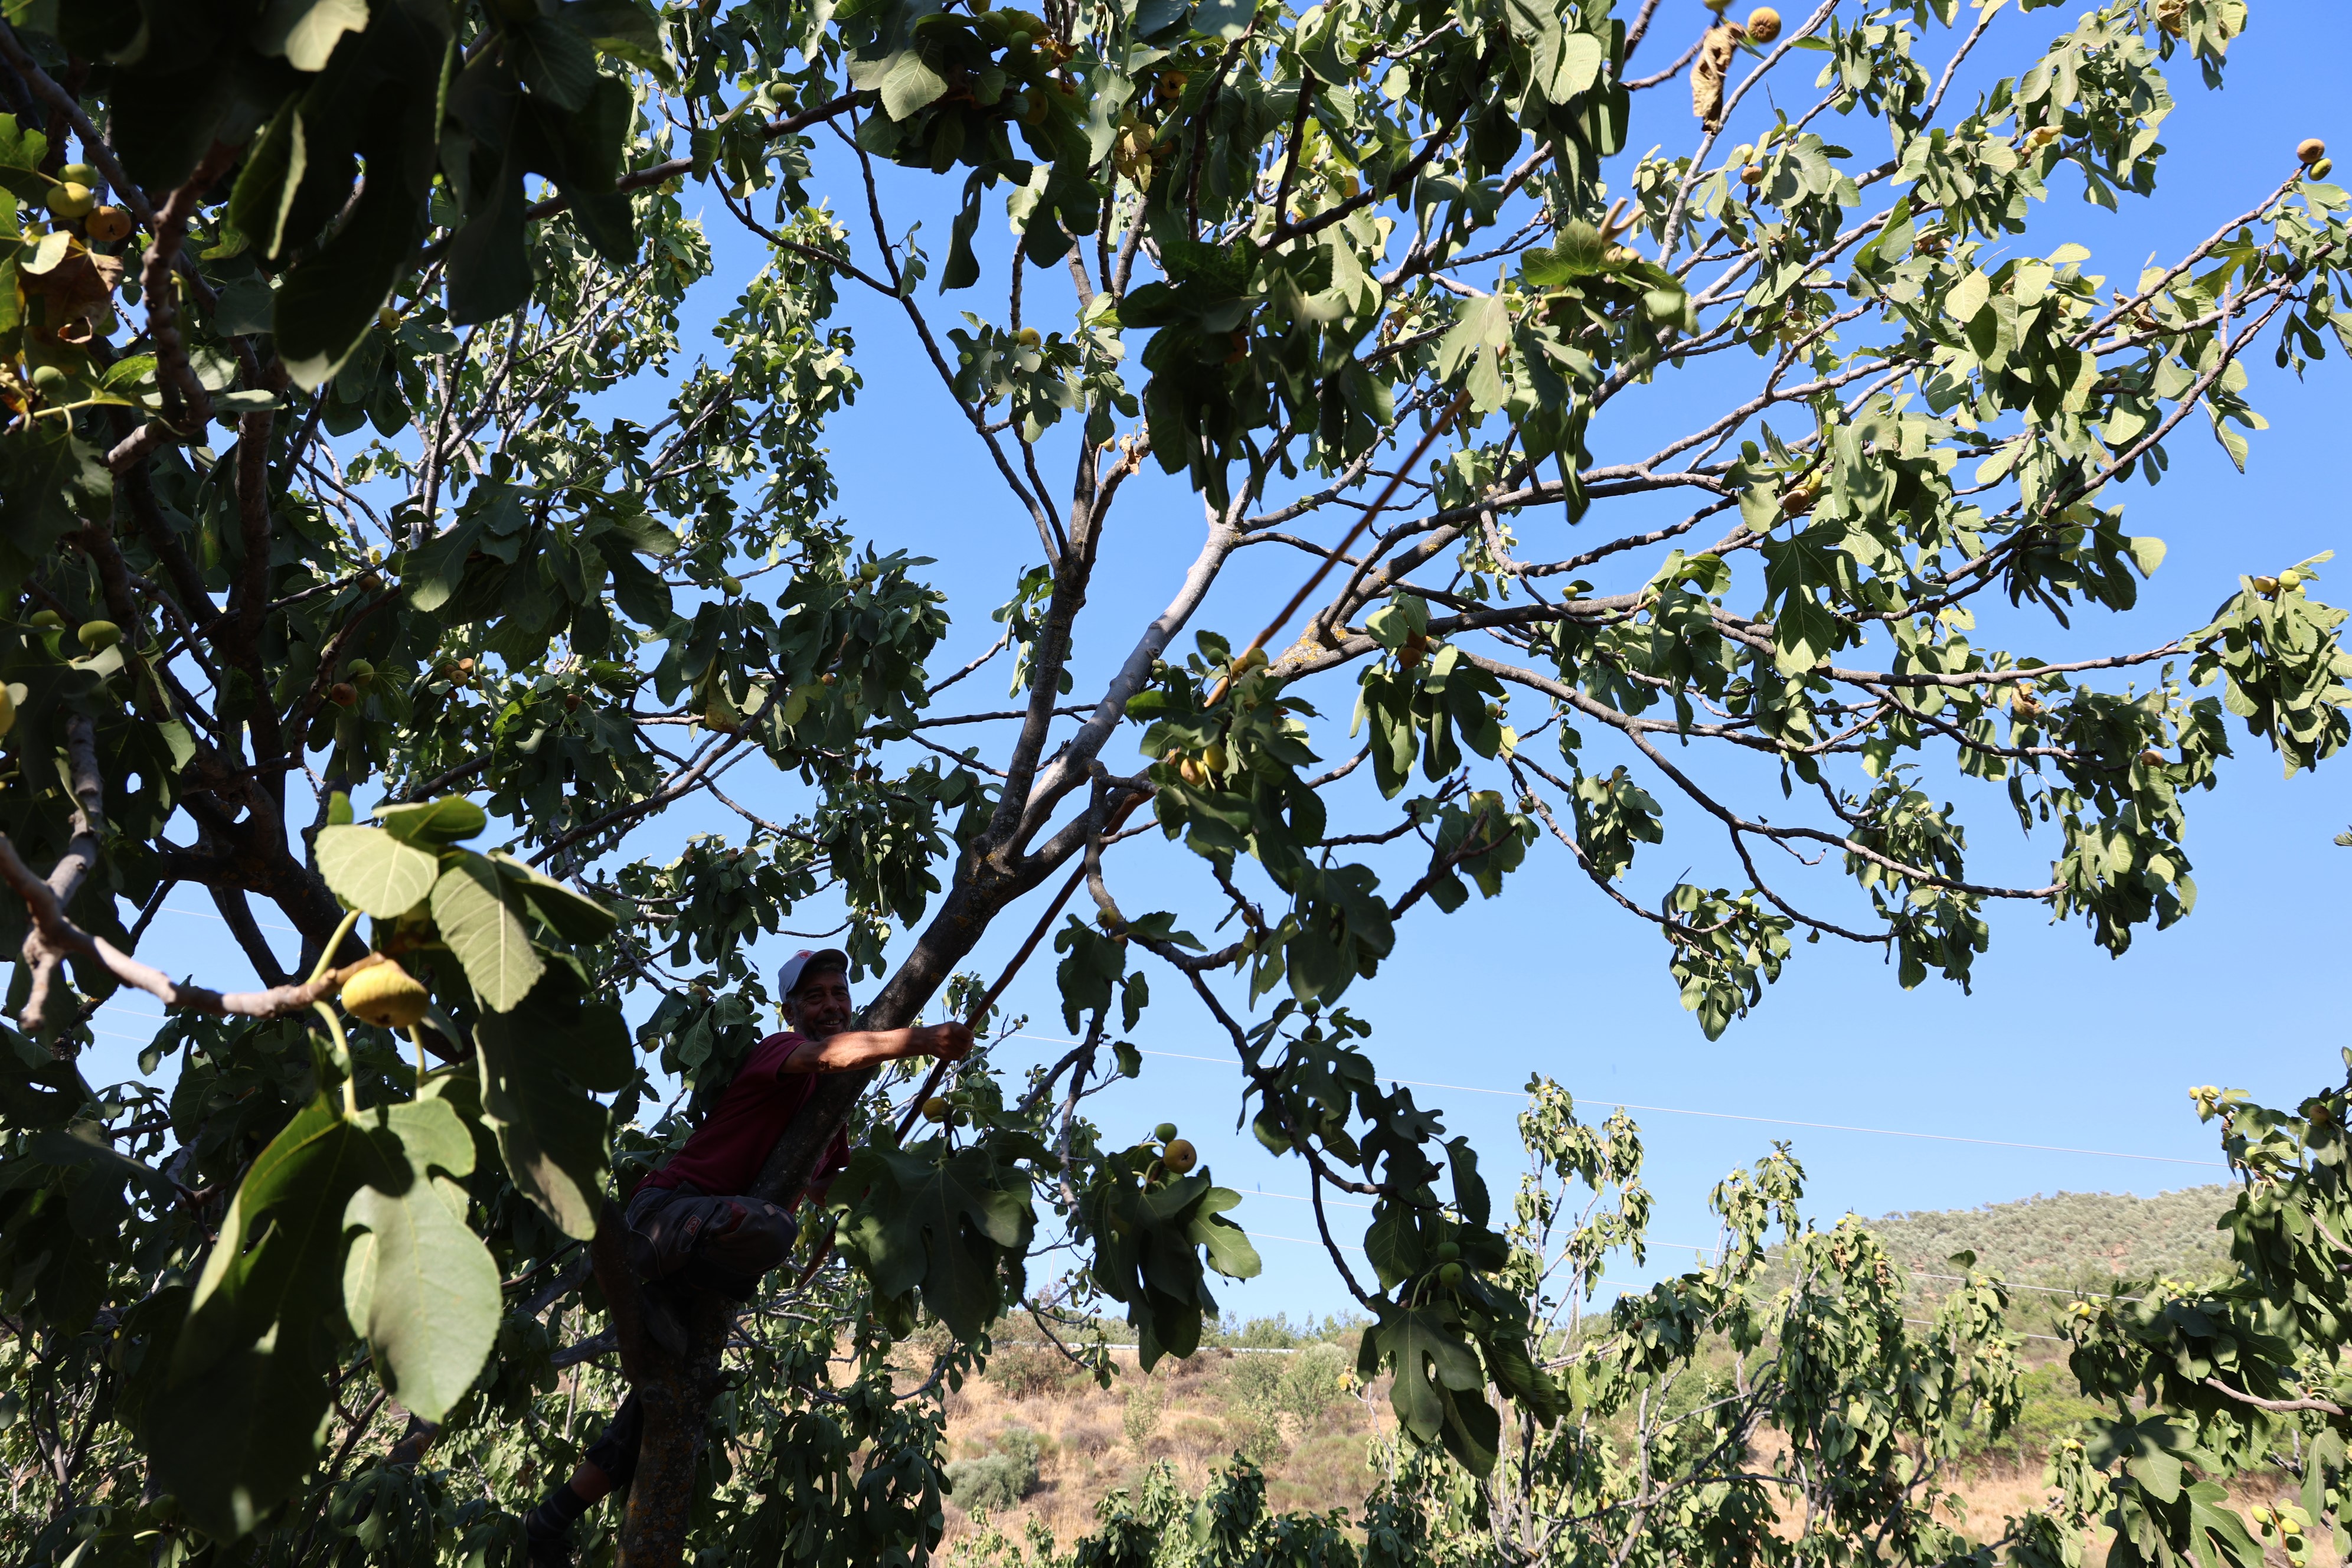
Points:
(691, 1225)
(380, 568)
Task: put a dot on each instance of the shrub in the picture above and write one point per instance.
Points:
(995, 1481)
(1144, 1404)
(1311, 1382)
(1026, 1373)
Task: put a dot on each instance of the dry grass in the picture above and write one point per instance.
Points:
(1092, 1440)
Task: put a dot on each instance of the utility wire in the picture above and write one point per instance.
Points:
(1728, 1115)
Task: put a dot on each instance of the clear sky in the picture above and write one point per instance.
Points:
(2057, 1045)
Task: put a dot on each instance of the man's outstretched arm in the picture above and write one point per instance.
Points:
(855, 1048)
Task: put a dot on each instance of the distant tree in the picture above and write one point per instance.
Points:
(312, 500)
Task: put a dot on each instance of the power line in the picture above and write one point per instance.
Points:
(214, 915)
(1730, 1116)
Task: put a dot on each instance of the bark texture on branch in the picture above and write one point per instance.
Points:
(55, 938)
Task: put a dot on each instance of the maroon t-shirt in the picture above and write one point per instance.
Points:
(725, 1153)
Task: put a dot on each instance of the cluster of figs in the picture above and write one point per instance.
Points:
(74, 200)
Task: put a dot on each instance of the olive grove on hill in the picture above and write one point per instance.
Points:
(327, 563)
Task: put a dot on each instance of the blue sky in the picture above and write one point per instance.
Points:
(2056, 1045)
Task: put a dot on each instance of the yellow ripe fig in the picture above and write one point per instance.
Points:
(106, 225)
(386, 995)
(69, 200)
(1029, 337)
(2324, 168)
(1214, 758)
(2310, 151)
(387, 317)
(2154, 759)
(2291, 578)
(935, 1109)
(99, 635)
(1753, 174)
(342, 694)
(2267, 587)
(1192, 773)
(1763, 24)
(1180, 1156)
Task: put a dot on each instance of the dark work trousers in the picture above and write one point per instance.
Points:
(709, 1241)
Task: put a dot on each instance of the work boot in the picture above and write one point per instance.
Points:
(661, 1308)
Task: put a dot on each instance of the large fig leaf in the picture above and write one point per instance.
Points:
(375, 870)
(419, 1286)
(535, 1062)
(471, 907)
(939, 1223)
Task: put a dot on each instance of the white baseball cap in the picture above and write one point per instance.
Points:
(788, 975)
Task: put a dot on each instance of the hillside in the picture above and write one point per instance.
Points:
(1039, 1446)
(2070, 1239)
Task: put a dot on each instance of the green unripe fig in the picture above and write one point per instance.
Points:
(937, 1109)
(47, 620)
(360, 671)
(1164, 1132)
(730, 585)
(1449, 1274)
(79, 174)
(69, 200)
(7, 709)
(99, 635)
(47, 379)
(2324, 168)
(1447, 1251)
